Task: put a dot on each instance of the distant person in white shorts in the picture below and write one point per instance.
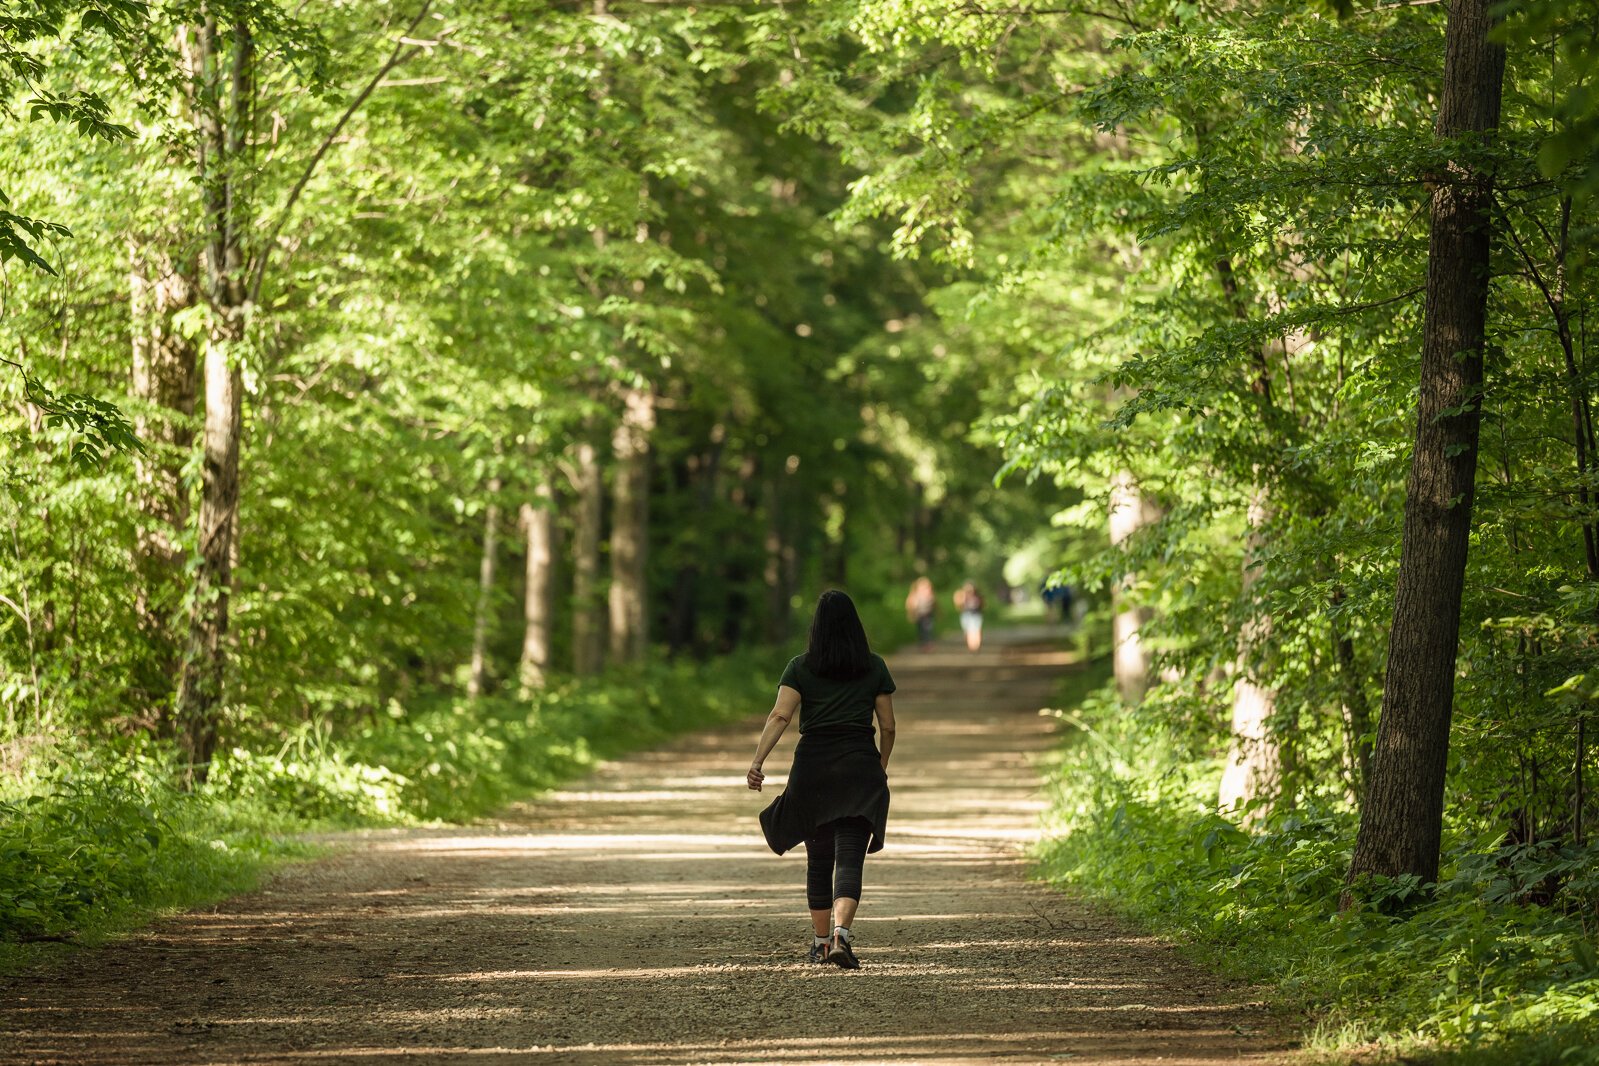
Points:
(970, 604)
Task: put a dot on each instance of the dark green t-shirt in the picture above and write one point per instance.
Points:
(829, 704)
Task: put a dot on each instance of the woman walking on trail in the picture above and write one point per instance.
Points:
(920, 606)
(836, 800)
(970, 604)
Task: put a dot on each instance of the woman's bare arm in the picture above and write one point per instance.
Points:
(885, 726)
(788, 701)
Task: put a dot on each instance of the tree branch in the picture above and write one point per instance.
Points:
(402, 51)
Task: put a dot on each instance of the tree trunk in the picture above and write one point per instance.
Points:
(221, 118)
(587, 649)
(165, 378)
(1356, 708)
(538, 526)
(630, 526)
(482, 618)
(736, 567)
(1128, 514)
(778, 612)
(835, 557)
(1401, 822)
(205, 660)
(1254, 767)
(697, 474)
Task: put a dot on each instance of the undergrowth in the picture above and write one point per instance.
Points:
(98, 838)
(1483, 969)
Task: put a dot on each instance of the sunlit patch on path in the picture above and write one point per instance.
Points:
(636, 917)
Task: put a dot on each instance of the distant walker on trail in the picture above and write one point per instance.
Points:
(921, 604)
(969, 602)
(836, 800)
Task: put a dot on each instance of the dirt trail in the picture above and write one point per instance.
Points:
(637, 917)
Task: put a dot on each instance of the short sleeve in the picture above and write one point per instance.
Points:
(791, 675)
(885, 683)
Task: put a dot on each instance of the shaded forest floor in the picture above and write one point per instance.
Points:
(637, 917)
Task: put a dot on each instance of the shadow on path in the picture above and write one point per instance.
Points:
(637, 917)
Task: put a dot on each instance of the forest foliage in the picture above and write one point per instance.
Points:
(472, 348)
(408, 403)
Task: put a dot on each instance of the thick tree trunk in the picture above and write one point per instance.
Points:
(1401, 821)
(587, 635)
(1130, 662)
(1254, 764)
(165, 379)
(538, 527)
(483, 616)
(630, 514)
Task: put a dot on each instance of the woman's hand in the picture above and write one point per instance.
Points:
(788, 701)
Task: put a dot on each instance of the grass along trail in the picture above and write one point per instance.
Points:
(637, 917)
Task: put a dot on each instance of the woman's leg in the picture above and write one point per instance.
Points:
(819, 857)
(850, 838)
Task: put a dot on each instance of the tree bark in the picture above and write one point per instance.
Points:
(200, 685)
(165, 379)
(1254, 768)
(483, 616)
(1130, 662)
(538, 526)
(1401, 822)
(1254, 765)
(221, 116)
(587, 636)
(630, 526)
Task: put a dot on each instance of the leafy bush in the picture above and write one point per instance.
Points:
(1477, 963)
(109, 839)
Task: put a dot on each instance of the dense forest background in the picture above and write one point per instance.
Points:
(403, 402)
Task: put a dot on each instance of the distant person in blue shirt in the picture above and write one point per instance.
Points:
(1058, 596)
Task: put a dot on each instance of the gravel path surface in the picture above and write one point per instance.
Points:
(637, 917)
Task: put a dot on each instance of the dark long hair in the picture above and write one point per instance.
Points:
(838, 648)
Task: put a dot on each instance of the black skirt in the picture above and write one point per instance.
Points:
(837, 773)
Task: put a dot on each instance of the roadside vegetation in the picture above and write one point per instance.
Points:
(93, 842)
(1494, 965)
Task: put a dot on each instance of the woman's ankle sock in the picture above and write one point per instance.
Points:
(818, 939)
(842, 930)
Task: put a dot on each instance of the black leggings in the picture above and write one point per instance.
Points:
(834, 857)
